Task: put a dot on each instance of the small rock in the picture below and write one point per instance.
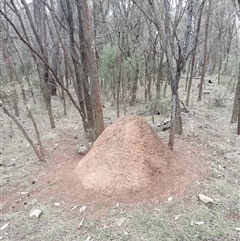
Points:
(82, 150)
(170, 199)
(23, 193)
(57, 204)
(36, 213)
(237, 229)
(176, 217)
(107, 104)
(88, 238)
(205, 199)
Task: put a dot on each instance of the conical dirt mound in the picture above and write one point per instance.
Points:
(128, 157)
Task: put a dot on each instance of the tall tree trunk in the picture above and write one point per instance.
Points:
(79, 83)
(39, 30)
(205, 50)
(93, 71)
(194, 53)
(85, 73)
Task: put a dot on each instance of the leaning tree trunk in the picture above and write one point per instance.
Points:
(41, 158)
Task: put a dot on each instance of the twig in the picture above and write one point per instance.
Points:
(81, 223)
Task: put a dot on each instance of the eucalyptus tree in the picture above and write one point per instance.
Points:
(175, 40)
(34, 24)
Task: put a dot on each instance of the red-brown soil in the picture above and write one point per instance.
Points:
(127, 163)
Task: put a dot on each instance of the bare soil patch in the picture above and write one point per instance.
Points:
(127, 163)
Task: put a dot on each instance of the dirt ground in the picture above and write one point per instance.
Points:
(129, 163)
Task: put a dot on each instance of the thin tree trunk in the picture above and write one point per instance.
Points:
(205, 51)
(79, 83)
(35, 54)
(160, 76)
(41, 158)
(25, 101)
(135, 85)
(194, 53)
(40, 35)
(14, 96)
(235, 114)
(118, 88)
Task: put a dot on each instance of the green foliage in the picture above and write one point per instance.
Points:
(108, 69)
(25, 68)
(130, 66)
(110, 65)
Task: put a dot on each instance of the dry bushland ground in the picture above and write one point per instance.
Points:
(133, 187)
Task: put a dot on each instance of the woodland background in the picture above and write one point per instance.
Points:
(109, 49)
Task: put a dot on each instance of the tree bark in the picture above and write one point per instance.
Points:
(235, 110)
(203, 72)
(135, 85)
(194, 53)
(93, 71)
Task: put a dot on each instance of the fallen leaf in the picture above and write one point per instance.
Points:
(35, 212)
(4, 226)
(205, 199)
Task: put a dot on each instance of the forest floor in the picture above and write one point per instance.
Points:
(92, 195)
